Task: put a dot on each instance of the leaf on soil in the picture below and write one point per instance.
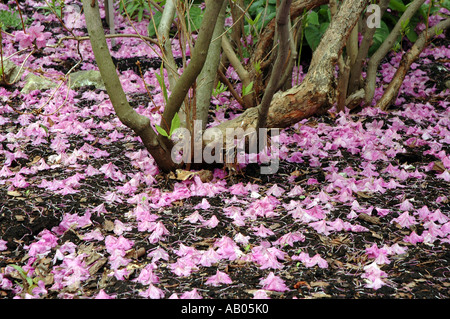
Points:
(183, 175)
(370, 219)
(14, 193)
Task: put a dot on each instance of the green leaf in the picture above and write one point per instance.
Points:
(195, 17)
(176, 122)
(313, 34)
(397, 5)
(161, 131)
(412, 35)
(44, 127)
(247, 89)
(20, 270)
(151, 25)
(380, 35)
(313, 18)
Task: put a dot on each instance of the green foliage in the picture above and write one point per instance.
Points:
(219, 89)
(176, 123)
(195, 17)
(317, 23)
(55, 6)
(9, 19)
(246, 90)
(28, 283)
(162, 83)
(260, 14)
(135, 8)
(153, 25)
(318, 20)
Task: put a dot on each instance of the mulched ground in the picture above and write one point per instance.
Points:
(423, 271)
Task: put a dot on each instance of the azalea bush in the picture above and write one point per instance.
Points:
(358, 207)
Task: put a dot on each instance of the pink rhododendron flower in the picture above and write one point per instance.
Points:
(103, 295)
(158, 233)
(157, 254)
(209, 257)
(146, 276)
(227, 248)
(376, 283)
(262, 231)
(238, 189)
(445, 176)
(46, 242)
(193, 294)
(120, 228)
(152, 292)
(194, 217)
(290, 239)
(260, 294)
(311, 262)
(34, 34)
(321, 227)
(93, 235)
(241, 239)
(438, 216)
(40, 289)
(218, 279)
(275, 190)
(373, 275)
(117, 243)
(274, 283)
(3, 245)
(406, 205)
(405, 220)
(203, 205)
(183, 267)
(211, 223)
(413, 238)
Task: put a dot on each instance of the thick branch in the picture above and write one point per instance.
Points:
(164, 38)
(265, 42)
(127, 115)
(355, 82)
(283, 26)
(195, 66)
(384, 48)
(408, 58)
(206, 79)
(315, 94)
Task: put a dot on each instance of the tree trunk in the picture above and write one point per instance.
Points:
(128, 116)
(316, 93)
(408, 58)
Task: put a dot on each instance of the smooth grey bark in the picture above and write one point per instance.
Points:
(127, 115)
(283, 31)
(195, 66)
(355, 81)
(164, 39)
(207, 77)
(384, 48)
(391, 92)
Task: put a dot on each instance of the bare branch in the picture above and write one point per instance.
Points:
(283, 31)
